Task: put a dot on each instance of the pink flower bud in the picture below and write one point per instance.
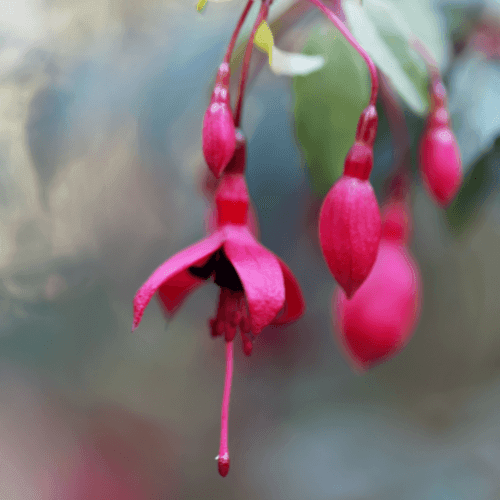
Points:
(380, 319)
(440, 163)
(349, 221)
(219, 134)
(349, 231)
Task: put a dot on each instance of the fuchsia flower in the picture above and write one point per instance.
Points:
(379, 320)
(256, 288)
(349, 222)
(440, 163)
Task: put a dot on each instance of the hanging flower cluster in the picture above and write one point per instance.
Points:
(377, 309)
(257, 289)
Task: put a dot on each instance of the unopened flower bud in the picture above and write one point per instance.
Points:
(349, 221)
(349, 231)
(219, 134)
(440, 163)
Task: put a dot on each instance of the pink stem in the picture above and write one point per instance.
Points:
(236, 32)
(431, 63)
(223, 459)
(347, 34)
(246, 61)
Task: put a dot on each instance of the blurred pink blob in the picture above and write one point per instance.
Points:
(379, 320)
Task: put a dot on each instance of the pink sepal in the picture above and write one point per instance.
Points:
(260, 273)
(295, 305)
(194, 255)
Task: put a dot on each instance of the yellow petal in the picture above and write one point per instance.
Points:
(264, 40)
(201, 5)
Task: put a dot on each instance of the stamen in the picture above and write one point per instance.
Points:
(233, 316)
(213, 327)
(223, 458)
(230, 332)
(247, 344)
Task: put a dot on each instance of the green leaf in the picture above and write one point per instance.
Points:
(328, 104)
(420, 20)
(474, 96)
(382, 30)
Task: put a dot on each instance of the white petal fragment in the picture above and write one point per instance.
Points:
(292, 64)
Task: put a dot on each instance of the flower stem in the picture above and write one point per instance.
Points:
(236, 32)
(432, 66)
(264, 9)
(223, 458)
(350, 38)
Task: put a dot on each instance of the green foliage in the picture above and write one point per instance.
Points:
(382, 30)
(474, 97)
(477, 184)
(328, 104)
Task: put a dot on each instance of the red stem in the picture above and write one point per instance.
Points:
(236, 32)
(348, 35)
(264, 9)
(223, 458)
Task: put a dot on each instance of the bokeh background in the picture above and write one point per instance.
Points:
(102, 179)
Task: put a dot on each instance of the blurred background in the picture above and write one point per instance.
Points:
(102, 179)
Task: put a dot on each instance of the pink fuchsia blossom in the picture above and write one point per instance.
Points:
(379, 320)
(256, 288)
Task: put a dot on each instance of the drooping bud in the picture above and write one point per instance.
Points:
(349, 221)
(440, 163)
(219, 134)
(380, 319)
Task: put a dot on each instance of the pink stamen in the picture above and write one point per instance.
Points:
(223, 458)
(247, 345)
(212, 323)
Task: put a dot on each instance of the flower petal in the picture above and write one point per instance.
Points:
(195, 254)
(176, 289)
(201, 5)
(264, 40)
(295, 305)
(292, 63)
(260, 273)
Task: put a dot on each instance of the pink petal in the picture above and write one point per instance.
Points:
(260, 273)
(176, 289)
(194, 255)
(294, 301)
